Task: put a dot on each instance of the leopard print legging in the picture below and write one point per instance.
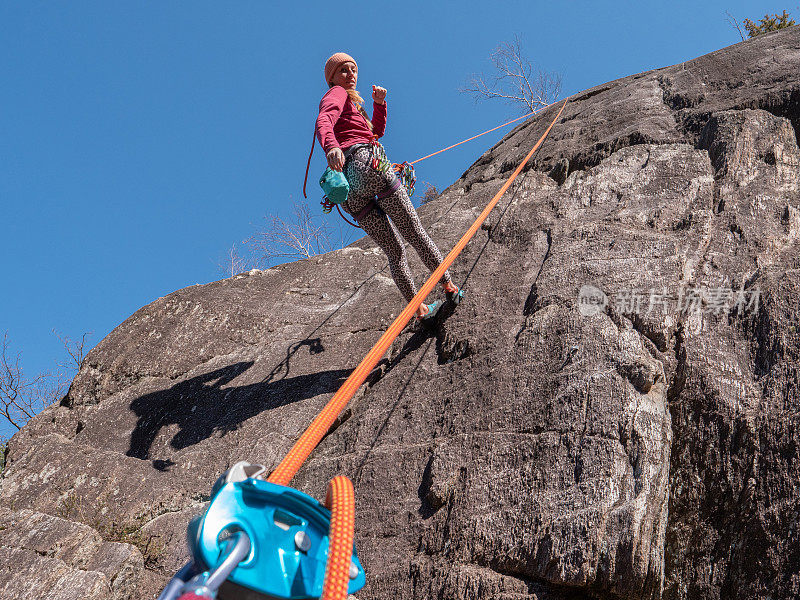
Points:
(391, 214)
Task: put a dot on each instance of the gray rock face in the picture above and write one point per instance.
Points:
(610, 413)
(50, 557)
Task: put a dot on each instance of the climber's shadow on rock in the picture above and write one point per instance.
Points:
(204, 406)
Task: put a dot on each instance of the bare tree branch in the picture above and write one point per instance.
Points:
(305, 233)
(233, 263)
(735, 23)
(76, 351)
(431, 193)
(22, 398)
(516, 79)
(300, 236)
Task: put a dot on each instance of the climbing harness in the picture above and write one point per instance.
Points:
(378, 161)
(266, 540)
(404, 171)
(262, 540)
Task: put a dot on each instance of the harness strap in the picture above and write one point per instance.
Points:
(390, 189)
(365, 211)
(352, 149)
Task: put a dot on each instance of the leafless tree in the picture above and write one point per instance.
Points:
(302, 235)
(734, 22)
(234, 263)
(76, 352)
(20, 397)
(517, 79)
(431, 193)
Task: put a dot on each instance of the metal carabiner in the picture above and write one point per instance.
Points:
(206, 585)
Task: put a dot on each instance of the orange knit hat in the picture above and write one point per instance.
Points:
(334, 62)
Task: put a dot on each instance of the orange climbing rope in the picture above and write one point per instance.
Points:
(286, 470)
(342, 504)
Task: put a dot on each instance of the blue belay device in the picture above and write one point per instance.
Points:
(288, 535)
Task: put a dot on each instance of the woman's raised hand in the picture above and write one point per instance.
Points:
(335, 159)
(378, 94)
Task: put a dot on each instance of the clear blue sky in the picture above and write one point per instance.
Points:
(140, 140)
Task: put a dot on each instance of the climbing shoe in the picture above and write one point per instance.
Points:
(430, 316)
(455, 297)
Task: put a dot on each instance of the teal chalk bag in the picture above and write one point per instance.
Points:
(335, 186)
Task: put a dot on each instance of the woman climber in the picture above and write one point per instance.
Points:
(349, 139)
